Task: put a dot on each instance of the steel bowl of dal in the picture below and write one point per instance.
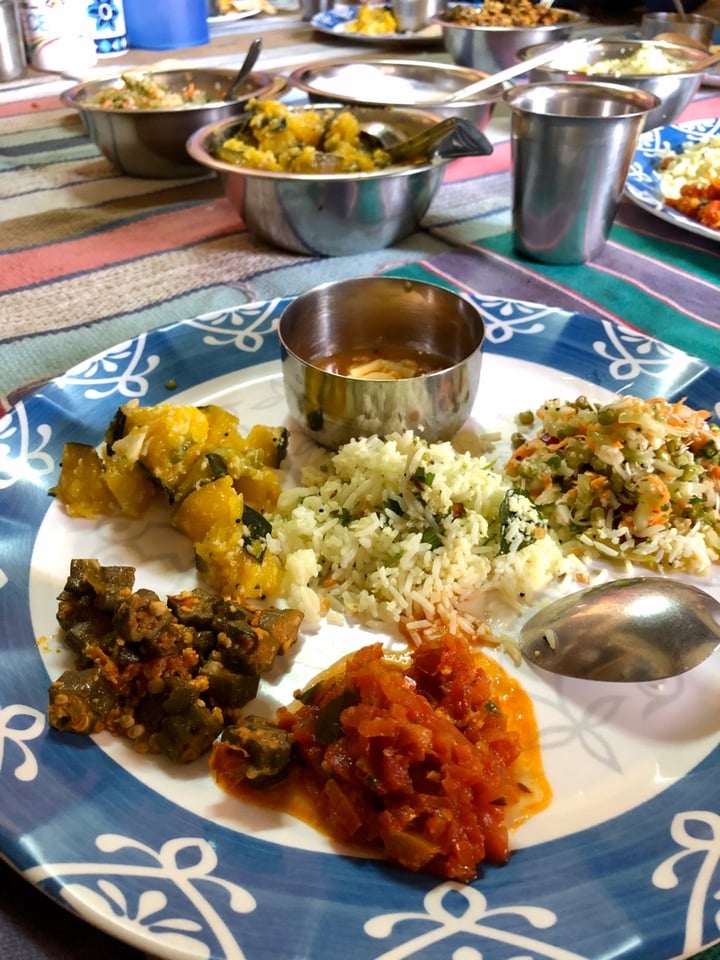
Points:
(379, 355)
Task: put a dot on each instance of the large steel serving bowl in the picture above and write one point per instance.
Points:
(422, 84)
(151, 143)
(675, 90)
(382, 317)
(330, 214)
(495, 48)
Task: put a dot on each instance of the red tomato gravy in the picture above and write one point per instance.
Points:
(431, 763)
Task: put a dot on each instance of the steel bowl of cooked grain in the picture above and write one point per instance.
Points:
(141, 120)
(388, 81)
(488, 36)
(379, 355)
(319, 180)
(671, 71)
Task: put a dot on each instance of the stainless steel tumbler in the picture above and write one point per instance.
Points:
(572, 145)
(12, 45)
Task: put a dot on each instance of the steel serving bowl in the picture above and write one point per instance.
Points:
(381, 315)
(151, 143)
(674, 90)
(495, 48)
(330, 214)
(400, 83)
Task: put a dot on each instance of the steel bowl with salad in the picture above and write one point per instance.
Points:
(142, 120)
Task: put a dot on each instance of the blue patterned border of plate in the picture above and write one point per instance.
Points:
(643, 180)
(331, 19)
(641, 885)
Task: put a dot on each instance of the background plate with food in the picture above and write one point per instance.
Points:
(644, 184)
(342, 22)
(227, 11)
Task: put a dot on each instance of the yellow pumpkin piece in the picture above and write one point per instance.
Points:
(130, 485)
(167, 439)
(271, 440)
(223, 428)
(81, 485)
(214, 504)
(260, 489)
(227, 567)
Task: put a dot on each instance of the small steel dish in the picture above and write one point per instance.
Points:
(151, 143)
(674, 90)
(380, 314)
(421, 84)
(495, 48)
(330, 214)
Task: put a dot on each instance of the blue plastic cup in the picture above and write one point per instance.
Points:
(166, 26)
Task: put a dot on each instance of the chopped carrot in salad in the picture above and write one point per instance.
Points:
(634, 479)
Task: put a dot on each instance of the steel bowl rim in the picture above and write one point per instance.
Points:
(572, 19)
(441, 371)
(294, 80)
(196, 148)
(272, 85)
(623, 90)
(535, 48)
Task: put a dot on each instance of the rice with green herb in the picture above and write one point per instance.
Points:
(401, 531)
(634, 480)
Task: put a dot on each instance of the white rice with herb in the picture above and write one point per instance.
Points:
(402, 531)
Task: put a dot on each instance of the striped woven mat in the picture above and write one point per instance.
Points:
(89, 258)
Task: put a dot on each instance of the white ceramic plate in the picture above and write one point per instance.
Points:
(622, 866)
(221, 18)
(335, 22)
(643, 180)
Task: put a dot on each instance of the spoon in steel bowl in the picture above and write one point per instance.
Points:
(453, 137)
(680, 9)
(245, 69)
(632, 630)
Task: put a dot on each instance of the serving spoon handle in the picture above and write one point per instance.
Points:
(245, 69)
(497, 79)
(453, 137)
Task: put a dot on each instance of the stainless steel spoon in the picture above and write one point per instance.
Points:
(680, 9)
(525, 66)
(245, 69)
(632, 630)
(451, 138)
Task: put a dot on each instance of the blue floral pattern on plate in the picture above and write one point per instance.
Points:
(643, 180)
(84, 826)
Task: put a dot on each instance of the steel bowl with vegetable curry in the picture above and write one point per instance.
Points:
(279, 139)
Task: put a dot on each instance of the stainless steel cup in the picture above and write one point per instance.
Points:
(310, 8)
(12, 45)
(692, 25)
(572, 145)
(411, 15)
